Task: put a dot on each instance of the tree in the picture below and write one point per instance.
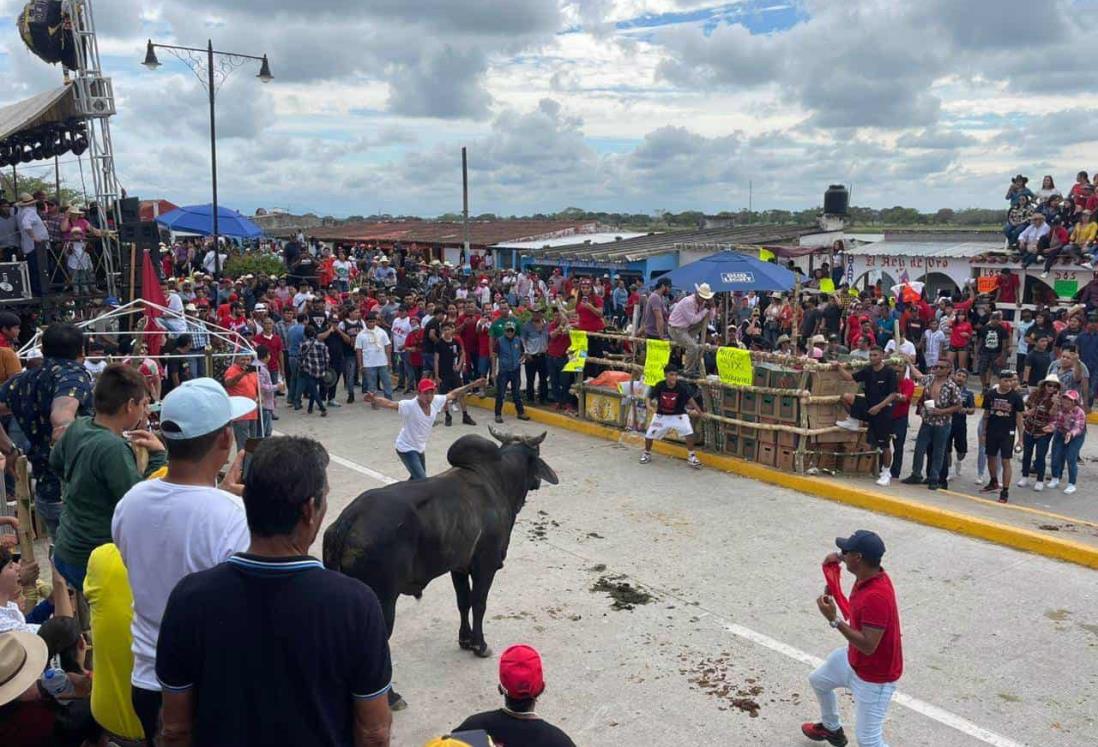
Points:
(30, 185)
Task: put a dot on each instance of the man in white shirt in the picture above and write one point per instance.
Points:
(33, 239)
(401, 327)
(418, 417)
(373, 350)
(166, 529)
(905, 346)
(210, 261)
(1033, 233)
(933, 342)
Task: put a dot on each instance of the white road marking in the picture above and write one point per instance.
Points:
(933, 712)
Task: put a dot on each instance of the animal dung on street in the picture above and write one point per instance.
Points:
(625, 595)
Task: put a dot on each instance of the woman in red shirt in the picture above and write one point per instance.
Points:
(960, 335)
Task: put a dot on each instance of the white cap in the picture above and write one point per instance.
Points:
(200, 406)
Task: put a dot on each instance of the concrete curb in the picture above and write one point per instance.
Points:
(971, 526)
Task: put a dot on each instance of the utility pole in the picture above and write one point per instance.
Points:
(749, 196)
(465, 200)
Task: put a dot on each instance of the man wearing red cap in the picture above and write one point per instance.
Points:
(418, 417)
(516, 724)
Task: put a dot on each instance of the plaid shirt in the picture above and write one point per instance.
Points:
(314, 358)
(199, 337)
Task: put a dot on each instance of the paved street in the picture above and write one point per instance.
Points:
(1000, 645)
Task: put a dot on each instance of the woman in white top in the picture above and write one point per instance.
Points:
(1047, 190)
(418, 417)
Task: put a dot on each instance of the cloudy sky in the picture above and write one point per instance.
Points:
(636, 105)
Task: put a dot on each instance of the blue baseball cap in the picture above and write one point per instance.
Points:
(200, 406)
(864, 542)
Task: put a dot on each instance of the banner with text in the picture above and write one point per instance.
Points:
(657, 354)
(577, 351)
(734, 366)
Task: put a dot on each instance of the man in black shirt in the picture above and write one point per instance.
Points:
(993, 344)
(670, 400)
(449, 363)
(521, 682)
(1037, 362)
(348, 330)
(832, 316)
(1003, 408)
(882, 387)
(269, 647)
(1069, 333)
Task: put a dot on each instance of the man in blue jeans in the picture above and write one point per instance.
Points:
(418, 417)
(507, 360)
(941, 398)
(374, 349)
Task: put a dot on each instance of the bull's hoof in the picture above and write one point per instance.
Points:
(482, 651)
(396, 703)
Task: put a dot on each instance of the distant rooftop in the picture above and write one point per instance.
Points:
(587, 239)
(481, 233)
(651, 245)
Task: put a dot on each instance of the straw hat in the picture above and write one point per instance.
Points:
(703, 290)
(1051, 379)
(25, 199)
(23, 656)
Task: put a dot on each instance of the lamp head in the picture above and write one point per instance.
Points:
(265, 71)
(150, 57)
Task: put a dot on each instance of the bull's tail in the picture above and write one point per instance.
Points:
(335, 537)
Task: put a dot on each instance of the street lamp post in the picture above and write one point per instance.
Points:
(201, 63)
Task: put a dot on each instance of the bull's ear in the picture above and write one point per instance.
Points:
(545, 472)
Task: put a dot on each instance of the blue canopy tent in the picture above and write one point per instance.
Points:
(730, 272)
(199, 219)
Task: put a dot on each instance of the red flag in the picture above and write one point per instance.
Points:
(150, 291)
(833, 576)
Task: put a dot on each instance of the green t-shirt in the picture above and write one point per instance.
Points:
(96, 468)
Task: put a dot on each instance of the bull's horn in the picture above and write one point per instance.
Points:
(502, 436)
(535, 440)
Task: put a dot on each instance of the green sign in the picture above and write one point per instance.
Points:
(1066, 288)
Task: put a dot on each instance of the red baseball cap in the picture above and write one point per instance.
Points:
(520, 673)
(426, 385)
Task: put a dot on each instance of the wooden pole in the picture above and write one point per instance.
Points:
(26, 525)
(133, 272)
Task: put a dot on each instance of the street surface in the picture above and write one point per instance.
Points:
(1000, 645)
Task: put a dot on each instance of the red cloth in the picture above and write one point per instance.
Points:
(150, 291)
(558, 346)
(274, 344)
(833, 576)
(588, 320)
(901, 409)
(1008, 288)
(873, 605)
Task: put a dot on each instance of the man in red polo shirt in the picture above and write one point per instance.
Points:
(873, 660)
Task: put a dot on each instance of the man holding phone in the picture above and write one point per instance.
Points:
(242, 380)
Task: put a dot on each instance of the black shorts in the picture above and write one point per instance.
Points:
(448, 383)
(880, 425)
(987, 360)
(999, 444)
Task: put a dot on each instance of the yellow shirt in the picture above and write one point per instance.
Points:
(1084, 234)
(107, 588)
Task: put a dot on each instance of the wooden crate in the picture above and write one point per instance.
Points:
(746, 430)
(823, 416)
(768, 406)
(788, 378)
(749, 403)
(732, 442)
(762, 374)
(786, 459)
(829, 440)
(788, 440)
(788, 409)
(766, 436)
(730, 402)
(829, 382)
(748, 448)
(768, 455)
(603, 406)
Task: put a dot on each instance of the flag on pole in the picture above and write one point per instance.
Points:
(150, 291)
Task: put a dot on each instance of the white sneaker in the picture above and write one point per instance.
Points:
(850, 424)
(1022, 482)
(1038, 486)
(1053, 483)
(957, 468)
(1044, 275)
(980, 479)
(645, 457)
(1069, 489)
(694, 462)
(885, 479)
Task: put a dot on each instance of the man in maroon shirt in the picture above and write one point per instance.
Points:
(873, 661)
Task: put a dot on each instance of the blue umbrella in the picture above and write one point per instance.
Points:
(731, 271)
(199, 219)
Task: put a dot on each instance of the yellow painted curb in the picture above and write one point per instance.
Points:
(971, 526)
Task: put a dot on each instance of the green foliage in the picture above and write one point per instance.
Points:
(30, 185)
(244, 264)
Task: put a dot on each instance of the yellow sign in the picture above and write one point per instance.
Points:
(765, 254)
(577, 351)
(656, 355)
(734, 366)
(827, 285)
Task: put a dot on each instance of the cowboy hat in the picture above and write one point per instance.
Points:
(23, 656)
(24, 199)
(77, 210)
(1051, 379)
(703, 290)
(818, 339)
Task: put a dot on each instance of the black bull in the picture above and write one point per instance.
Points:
(398, 538)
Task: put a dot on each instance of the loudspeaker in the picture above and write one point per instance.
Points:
(144, 234)
(14, 282)
(130, 209)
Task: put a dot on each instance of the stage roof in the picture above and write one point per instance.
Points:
(50, 107)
